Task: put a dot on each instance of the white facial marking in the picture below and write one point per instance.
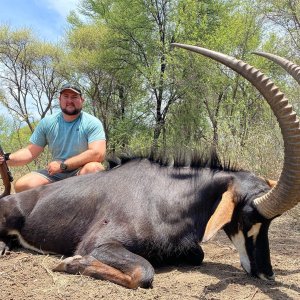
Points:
(239, 242)
(254, 231)
(25, 244)
(264, 277)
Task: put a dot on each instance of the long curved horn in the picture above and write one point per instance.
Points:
(6, 177)
(285, 194)
(289, 66)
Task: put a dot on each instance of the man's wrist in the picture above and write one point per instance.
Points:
(63, 166)
(6, 156)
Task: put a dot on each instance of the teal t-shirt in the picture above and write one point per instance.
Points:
(67, 139)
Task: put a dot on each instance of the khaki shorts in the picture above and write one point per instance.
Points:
(58, 176)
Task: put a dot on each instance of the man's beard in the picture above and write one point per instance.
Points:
(76, 111)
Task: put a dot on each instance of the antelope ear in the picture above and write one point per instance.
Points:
(271, 182)
(221, 216)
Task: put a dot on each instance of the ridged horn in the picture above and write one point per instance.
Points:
(290, 67)
(285, 195)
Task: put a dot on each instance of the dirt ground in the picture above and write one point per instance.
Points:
(27, 275)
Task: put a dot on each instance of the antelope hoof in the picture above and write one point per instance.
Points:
(63, 266)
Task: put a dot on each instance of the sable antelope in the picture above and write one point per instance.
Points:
(114, 225)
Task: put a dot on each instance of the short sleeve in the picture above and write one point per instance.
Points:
(95, 131)
(39, 135)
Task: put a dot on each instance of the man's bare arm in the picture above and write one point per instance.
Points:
(24, 155)
(95, 153)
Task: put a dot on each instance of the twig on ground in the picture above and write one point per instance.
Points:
(255, 292)
(49, 272)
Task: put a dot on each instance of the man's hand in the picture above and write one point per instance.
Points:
(4, 157)
(54, 167)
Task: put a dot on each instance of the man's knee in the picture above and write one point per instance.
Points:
(21, 185)
(91, 167)
(29, 181)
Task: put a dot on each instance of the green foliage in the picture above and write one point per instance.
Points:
(30, 76)
(284, 17)
(187, 99)
(147, 93)
(12, 138)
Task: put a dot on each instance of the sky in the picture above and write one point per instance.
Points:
(47, 18)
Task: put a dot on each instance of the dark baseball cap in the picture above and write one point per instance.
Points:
(71, 87)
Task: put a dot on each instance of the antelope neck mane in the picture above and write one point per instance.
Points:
(178, 159)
